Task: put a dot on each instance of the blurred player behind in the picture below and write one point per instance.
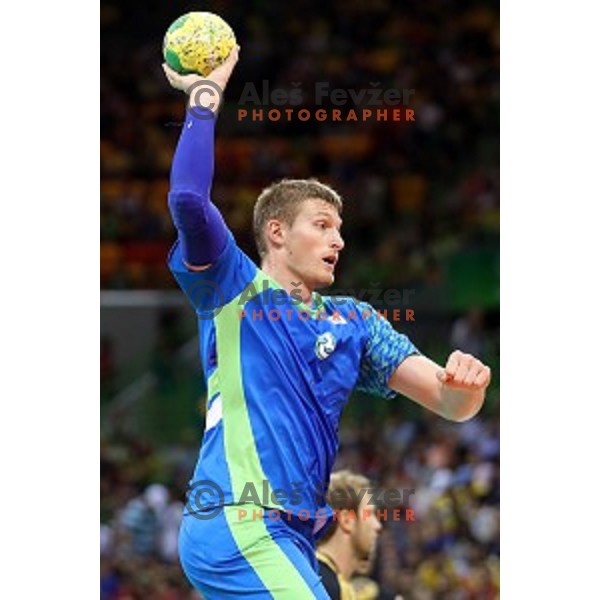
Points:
(349, 545)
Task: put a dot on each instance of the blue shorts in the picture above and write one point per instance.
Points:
(253, 555)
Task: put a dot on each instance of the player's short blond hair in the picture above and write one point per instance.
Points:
(282, 201)
(345, 493)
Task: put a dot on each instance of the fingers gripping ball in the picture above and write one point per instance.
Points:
(198, 42)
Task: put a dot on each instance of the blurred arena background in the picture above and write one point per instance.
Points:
(421, 215)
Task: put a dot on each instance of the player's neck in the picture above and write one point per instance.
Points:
(289, 281)
(339, 551)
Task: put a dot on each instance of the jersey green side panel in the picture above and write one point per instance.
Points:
(269, 561)
(240, 446)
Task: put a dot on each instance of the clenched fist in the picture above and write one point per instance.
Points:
(465, 372)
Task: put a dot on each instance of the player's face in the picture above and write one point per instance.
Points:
(368, 526)
(313, 243)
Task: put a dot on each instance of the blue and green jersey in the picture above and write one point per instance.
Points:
(279, 374)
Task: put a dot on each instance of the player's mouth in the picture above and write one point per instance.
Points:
(330, 261)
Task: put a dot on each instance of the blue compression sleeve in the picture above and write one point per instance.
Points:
(202, 231)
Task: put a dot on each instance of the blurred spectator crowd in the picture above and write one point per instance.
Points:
(416, 193)
(450, 552)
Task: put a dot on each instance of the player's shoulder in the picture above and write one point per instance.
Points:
(330, 579)
(221, 282)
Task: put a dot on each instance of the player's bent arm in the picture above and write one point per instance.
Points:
(202, 232)
(455, 392)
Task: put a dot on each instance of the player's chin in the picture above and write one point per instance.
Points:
(368, 555)
(324, 280)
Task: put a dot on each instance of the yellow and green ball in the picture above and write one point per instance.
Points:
(198, 42)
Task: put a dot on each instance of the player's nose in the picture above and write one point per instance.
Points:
(338, 241)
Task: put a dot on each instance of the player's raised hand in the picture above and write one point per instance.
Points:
(204, 92)
(220, 76)
(223, 72)
(465, 372)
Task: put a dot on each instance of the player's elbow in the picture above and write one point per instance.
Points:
(464, 416)
(466, 410)
(186, 207)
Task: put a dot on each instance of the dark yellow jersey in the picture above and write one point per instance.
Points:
(333, 581)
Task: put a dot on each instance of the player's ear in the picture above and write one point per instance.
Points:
(275, 232)
(347, 520)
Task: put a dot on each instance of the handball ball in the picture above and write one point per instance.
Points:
(198, 43)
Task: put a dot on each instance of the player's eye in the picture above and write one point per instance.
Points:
(321, 225)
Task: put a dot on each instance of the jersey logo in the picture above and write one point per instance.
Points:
(325, 345)
(337, 319)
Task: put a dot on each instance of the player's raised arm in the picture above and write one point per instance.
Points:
(200, 226)
(455, 392)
